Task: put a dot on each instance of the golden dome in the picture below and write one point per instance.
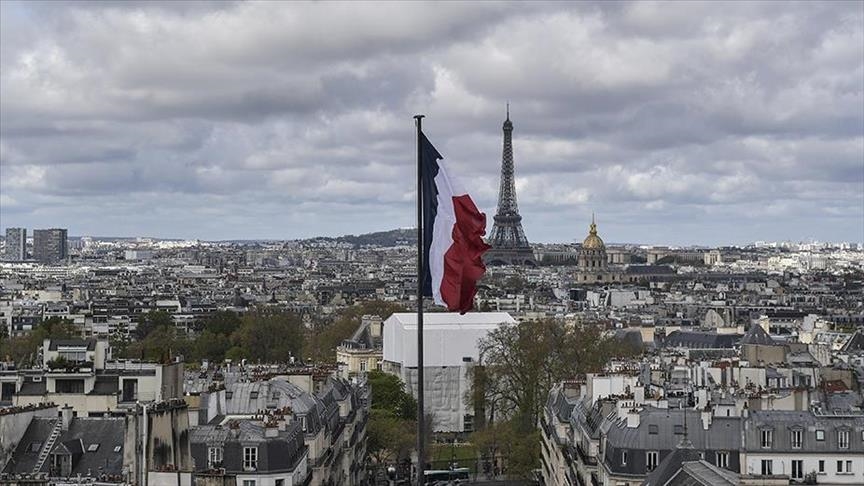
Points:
(592, 241)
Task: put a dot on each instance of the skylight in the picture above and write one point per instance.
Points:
(93, 448)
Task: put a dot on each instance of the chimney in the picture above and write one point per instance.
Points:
(271, 431)
(707, 416)
(66, 417)
(639, 395)
(633, 419)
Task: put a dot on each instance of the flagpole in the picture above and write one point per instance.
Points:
(421, 274)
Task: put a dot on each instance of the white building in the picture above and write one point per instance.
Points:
(450, 349)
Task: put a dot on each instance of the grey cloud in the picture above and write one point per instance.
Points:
(703, 123)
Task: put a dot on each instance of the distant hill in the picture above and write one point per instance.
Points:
(402, 236)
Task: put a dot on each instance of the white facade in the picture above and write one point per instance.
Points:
(450, 349)
(447, 337)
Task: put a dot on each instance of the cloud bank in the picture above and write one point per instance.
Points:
(675, 122)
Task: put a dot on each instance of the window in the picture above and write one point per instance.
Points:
(623, 458)
(723, 459)
(842, 470)
(228, 395)
(118, 448)
(652, 429)
(280, 482)
(35, 446)
(820, 434)
(248, 482)
(93, 448)
(843, 439)
(303, 422)
(797, 469)
(362, 366)
(767, 467)
(795, 438)
(253, 395)
(214, 457)
(767, 438)
(679, 429)
(651, 460)
(69, 386)
(821, 466)
(250, 459)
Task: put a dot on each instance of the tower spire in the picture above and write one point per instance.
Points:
(509, 244)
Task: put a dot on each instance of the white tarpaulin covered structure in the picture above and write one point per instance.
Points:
(451, 347)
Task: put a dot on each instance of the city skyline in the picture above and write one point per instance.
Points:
(707, 124)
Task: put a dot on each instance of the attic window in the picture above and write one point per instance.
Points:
(35, 446)
(93, 448)
(679, 429)
(652, 429)
(118, 448)
(228, 395)
(253, 395)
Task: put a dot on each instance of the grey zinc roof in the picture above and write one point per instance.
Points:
(783, 422)
(108, 432)
(757, 335)
(280, 453)
(670, 466)
(249, 398)
(700, 340)
(702, 473)
(722, 434)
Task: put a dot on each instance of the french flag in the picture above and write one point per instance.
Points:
(453, 230)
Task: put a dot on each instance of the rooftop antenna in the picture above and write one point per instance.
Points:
(685, 442)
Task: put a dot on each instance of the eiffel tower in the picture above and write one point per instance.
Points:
(509, 245)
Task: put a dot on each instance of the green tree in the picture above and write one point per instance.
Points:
(389, 437)
(211, 346)
(519, 365)
(392, 418)
(327, 335)
(225, 323)
(269, 336)
(388, 394)
(150, 321)
(22, 349)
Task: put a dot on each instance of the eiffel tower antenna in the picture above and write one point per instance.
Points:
(509, 244)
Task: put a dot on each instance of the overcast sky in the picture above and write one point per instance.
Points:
(676, 123)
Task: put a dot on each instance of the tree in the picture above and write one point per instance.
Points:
(269, 336)
(22, 349)
(150, 321)
(211, 346)
(225, 323)
(389, 437)
(520, 363)
(391, 418)
(326, 336)
(388, 393)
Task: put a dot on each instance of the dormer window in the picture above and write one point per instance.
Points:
(843, 439)
(796, 437)
(766, 438)
(652, 429)
(250, 458)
